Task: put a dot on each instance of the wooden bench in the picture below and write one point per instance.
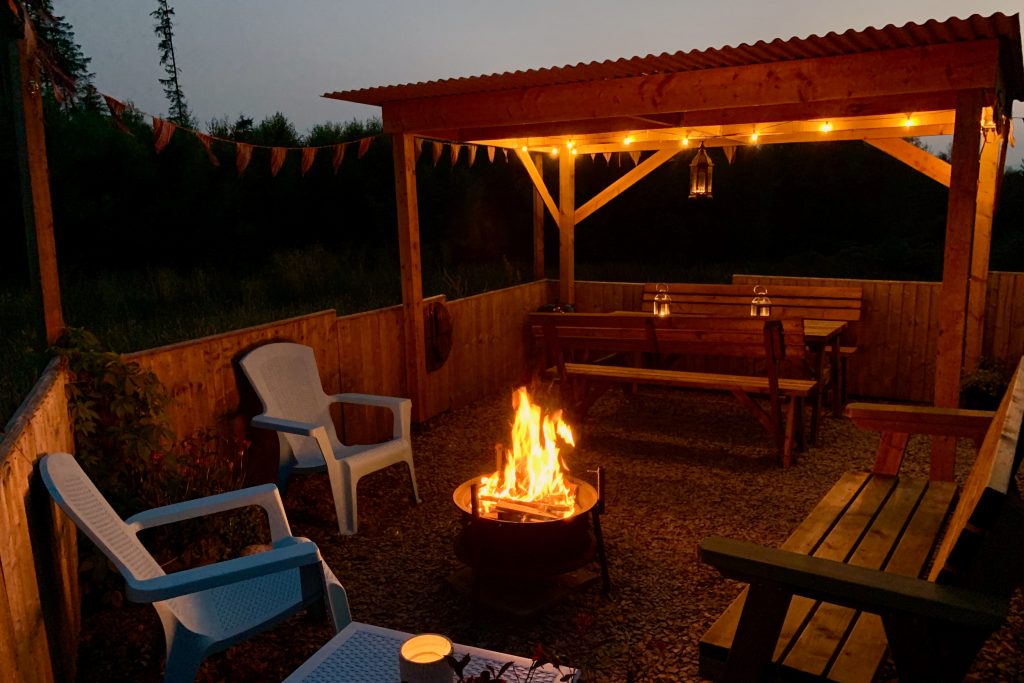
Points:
(787, 301)
(845, 588)
(583, 347)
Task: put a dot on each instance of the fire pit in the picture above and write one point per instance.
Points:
(530, 520)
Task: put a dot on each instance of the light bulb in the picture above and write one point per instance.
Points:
(685, 142)
(826, 127)
(570, 144)
(908, 122)
(554, 151)
(753, 137)
(524, 148)
(628, 140)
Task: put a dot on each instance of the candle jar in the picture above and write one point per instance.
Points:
(422, 659)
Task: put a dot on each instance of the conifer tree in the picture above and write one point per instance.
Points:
(60, 48)
(178, 111)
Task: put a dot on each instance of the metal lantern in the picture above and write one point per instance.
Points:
(662, 302)
(760, 305)
(700, 174)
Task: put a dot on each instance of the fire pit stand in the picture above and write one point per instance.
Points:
(521, 560)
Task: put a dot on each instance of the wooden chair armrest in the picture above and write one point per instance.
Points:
(868, 589)
(969, 424)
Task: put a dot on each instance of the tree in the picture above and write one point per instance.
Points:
(164, 28)
(64, 56)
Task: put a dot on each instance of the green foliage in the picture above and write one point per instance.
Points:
(983, 388)
(178, 111)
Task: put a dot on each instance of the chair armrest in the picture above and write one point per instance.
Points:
(280, 558)
(868, 589)
(969, 424)
(279, 424)
(265, 495)
(401, 409)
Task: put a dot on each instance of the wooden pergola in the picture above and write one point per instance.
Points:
(957, 77)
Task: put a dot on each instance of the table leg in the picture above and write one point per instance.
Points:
(837, 379)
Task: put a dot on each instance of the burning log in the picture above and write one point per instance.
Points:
(527, 507)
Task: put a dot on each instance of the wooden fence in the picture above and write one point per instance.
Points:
(39, 600)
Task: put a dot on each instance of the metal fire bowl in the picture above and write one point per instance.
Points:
(526, 549)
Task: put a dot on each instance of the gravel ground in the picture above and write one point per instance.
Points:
(680, 466)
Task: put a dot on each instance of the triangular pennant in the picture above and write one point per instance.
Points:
(635, 156)
(730, 153)
(505, 149)
(607, 158)
(116, 111)
(162, 132)
(418, 145)
(472, 154)
(593, 157)
(277, 155)
(208, 146)
(308, 156)
(243, 153)
(618, 158)
(490, 153)
(339, 155)
(364, 145)
(456, 149)
(438, 148)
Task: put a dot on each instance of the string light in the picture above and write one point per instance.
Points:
(570, 144)
(754, 136)
(574, 151)
(685, 142)
(524, 148)
(826, 127)
(908, 122)
(628, 140)
(554, 151)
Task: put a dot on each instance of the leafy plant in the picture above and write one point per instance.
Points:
(983, 388)
(489, 674)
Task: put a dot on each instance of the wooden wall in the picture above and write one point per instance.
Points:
(39, 599)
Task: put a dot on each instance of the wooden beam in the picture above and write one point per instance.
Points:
(538, 182)
(404, 152)
(538, 223)
(885, 73)
(625, 182)
(30, 141)
(963, 196)
(567, 228)
(915, 157)
(989, 175)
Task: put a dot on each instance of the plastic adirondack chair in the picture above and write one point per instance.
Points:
(286, 379)
(204, 609)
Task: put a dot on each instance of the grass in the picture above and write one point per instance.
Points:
(142, 308)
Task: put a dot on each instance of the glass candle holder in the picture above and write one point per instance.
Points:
(421, 659)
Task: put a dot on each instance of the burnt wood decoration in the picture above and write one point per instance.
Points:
(437, 323)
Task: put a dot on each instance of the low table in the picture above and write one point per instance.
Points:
(361, 653)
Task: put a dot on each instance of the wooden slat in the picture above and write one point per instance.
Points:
(691, 380)
(919, 159)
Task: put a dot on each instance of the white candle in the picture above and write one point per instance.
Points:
(421, 659)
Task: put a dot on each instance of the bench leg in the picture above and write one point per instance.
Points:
(757, 634)
(787, 443)
(798, 406)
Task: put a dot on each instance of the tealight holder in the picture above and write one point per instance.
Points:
(421, 659)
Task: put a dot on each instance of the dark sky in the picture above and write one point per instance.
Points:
(256, 57)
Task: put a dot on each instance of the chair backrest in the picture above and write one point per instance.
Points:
(287, 381)
(983, 547)
(76, 495)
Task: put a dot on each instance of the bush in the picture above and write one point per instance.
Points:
(983, 388)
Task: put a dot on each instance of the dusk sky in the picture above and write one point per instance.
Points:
(256, 57)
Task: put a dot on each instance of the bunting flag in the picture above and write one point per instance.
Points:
(472, 154)
(162, 132)
(635, 156)
(505, 149)
(339, 155)
(490, 153)
(593, 157)
(243, 153)
(116, 111)
(438, 148)
(607, 158)
(364, 145)
(207, 142)
(308, 156)
(456, 149)
(418, 146)
(277, 155)
(730, 153)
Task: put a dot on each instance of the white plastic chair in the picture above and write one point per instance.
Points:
(204, 609)
(286, 379)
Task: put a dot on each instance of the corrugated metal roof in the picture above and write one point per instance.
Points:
(932, 32)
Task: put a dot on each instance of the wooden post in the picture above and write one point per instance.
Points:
(538, 223)
(567, 228)
(30, 140)
(989, 175)
(956, 266)
(412, 275)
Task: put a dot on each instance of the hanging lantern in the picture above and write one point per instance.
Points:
(760, 305)
(662, 302)
(700, 174)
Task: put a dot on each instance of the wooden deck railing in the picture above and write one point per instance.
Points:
(39, 601)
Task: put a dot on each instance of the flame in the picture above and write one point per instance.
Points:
(532, 469)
